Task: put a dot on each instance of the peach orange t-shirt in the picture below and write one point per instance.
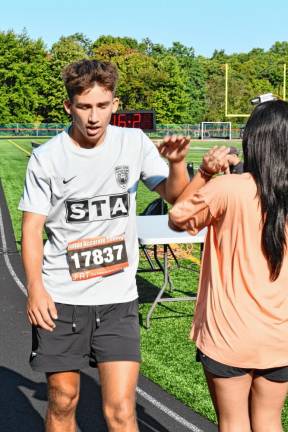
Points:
(241, 317)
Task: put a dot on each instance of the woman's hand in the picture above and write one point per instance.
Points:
(215, 161)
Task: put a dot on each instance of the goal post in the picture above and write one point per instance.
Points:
(215, 130)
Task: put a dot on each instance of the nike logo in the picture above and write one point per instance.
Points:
(68, 180)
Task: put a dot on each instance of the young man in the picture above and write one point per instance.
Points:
(82, 298)
(235, 164)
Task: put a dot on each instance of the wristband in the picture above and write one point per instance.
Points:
(205, 173)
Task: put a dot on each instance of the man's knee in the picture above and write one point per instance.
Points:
(120, 413)
(62, 399)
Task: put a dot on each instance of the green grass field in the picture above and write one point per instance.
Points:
(168, 355)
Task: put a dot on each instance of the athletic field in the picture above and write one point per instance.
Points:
(168, 356)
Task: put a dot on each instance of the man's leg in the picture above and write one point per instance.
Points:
(118, 383)
(63, 395)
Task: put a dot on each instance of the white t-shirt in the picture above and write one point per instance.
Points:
(89, 198)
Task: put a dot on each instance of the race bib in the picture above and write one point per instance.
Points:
(95, 257)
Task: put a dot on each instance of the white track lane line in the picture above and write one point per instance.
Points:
(6, 256)
(166, 410)
(142, 393)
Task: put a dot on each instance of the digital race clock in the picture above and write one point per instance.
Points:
(144, 120)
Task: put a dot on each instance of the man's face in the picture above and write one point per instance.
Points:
(91, 113)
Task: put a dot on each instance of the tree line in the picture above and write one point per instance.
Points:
(181, 87)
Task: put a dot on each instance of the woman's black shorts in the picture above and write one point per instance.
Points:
(221, 370)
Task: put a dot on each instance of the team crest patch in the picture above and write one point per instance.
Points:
(122, 175)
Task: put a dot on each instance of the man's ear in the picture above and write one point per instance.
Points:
(67, 106)
(115, 104)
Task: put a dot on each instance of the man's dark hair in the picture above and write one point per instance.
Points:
(84, 74)
(265, 149)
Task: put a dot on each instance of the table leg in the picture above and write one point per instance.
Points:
(167, 281)
(165, 249)
(162, 289)
(147, 257)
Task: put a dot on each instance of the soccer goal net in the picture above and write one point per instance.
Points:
(215, 130)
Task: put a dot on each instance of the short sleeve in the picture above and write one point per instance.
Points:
(202, 209)
(154, 169)
(36, 197)
(215, 194)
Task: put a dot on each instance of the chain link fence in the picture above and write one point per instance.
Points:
(52, 129)
(31, 129)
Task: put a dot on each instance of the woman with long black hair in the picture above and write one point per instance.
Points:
(240, 325)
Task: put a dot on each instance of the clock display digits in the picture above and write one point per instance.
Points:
(136, 122)
(144, 120)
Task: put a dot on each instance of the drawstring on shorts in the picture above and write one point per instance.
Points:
(74, 319)
(97, 317)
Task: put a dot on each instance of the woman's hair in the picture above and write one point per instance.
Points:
(265, 149)
(84, 74)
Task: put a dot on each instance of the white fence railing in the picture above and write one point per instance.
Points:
(51, 129)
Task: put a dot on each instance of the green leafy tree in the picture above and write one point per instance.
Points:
(151, 77)
(195, 78)
(111, 40)
(23, 66)
(66, 50)
(179, 86)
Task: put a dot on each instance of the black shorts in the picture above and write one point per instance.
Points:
(279, 374)
(87, 335)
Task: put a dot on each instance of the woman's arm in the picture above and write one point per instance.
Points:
(214, 162)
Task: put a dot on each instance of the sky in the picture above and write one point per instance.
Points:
(205, 25)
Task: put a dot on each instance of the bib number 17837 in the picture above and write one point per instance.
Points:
(96, 257)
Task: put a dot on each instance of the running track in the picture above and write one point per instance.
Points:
(23, 393)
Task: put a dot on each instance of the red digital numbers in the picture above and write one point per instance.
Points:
(134, 119)
(122, 120)
(114, 119)
(136, 122)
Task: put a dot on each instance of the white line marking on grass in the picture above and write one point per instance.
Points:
(141, 392)
(19, 147)
(200, 148)
(167, 411)
(6, 256)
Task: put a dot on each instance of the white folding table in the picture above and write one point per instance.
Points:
(154, 230)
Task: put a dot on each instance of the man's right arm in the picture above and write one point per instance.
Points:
(41, 309)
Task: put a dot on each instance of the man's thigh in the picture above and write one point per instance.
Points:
(118, 382)
(116, 347)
